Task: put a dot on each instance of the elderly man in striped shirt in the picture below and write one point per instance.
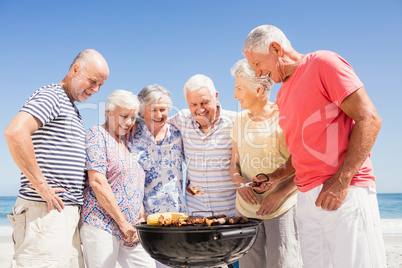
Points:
(205, 128)
(47, 142)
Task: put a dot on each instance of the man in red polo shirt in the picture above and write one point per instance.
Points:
(330, 126)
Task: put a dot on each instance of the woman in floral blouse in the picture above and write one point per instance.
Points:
(159, 150)
(114, 191)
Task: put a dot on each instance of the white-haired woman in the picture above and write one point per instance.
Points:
(159, 149)
(259, 152)
(114, 190)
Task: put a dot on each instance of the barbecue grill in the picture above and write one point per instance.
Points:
(198, 246)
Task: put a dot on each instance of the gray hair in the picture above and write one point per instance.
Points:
(152, 94)
(122, 98)
(84, 57)
(243, 69)
(259, 39)
(199, 81)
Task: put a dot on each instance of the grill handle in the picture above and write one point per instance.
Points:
(234, 234)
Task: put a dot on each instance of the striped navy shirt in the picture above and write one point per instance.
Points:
(208, 161)
(59, 144)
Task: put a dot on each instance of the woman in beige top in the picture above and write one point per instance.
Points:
(259, 150)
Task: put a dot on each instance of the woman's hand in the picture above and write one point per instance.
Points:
(247, 194)
(130, 133)
(130, 233)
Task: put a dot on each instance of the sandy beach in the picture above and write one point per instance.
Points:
(393, 246)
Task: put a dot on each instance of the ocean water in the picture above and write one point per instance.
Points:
(6, 204)
(390, 206)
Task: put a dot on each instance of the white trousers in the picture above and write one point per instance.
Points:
(43, 239)
(348, 237)
(103, 250)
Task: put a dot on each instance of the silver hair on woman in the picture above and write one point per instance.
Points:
(152, 94)
(243, 69)
(123, 99)
(259, 39)
(199, 81)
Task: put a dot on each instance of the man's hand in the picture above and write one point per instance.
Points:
(265, 185)
(333, 194)
(269, 204)
(279, 175)
(49, 194)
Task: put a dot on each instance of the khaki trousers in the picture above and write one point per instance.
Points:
(277, 244)
(43, 239)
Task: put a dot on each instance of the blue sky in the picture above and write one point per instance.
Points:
(166, 42)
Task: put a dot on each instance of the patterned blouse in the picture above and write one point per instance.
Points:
(163, 168)
(125, 176)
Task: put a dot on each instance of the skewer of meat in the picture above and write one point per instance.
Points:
(216, 216)
(243, 219)
(225, 220)
(208, 221)
(165, 222)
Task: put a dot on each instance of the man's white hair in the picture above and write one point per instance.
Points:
(259, 39)
(199, 81)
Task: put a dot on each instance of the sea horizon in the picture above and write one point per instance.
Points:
(390, 206)
(3, 195)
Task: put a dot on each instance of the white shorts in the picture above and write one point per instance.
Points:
(101, 249)
(43, 239)
(348, 237)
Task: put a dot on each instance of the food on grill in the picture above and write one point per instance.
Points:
(193, 220)
(209, 222)
(226, 220)
(206, 221)
(153, 219)
(194, 190)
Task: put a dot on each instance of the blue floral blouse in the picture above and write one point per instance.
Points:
(163, 166)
